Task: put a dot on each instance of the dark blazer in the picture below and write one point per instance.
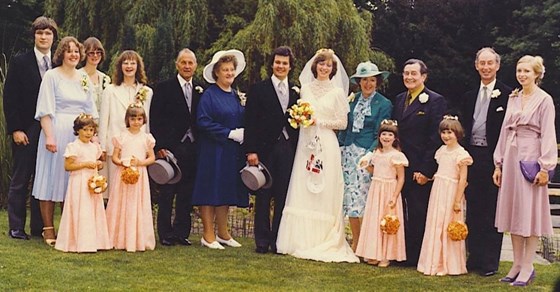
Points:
(169, 115)
(494, 118)
(265, 119)
(20, 92)
(419, 129)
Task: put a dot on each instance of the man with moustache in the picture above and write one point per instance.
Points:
(20, 100)
(270, 139)
(418, 112)
(483, 112)
(173, 117)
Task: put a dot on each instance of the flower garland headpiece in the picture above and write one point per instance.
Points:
(389, 122)
(450, 117)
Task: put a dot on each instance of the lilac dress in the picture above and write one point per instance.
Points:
(527, 134)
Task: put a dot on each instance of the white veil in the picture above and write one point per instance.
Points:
(340, 79)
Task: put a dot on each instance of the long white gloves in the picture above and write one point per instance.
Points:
(237, 135)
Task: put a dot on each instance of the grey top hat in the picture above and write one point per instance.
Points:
(256, 177)
(368, 69)
(165, 170)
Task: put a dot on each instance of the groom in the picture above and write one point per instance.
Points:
(270, 139)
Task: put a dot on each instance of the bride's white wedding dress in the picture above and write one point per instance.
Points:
(312, 225)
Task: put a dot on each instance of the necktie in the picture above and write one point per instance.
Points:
(283, 96)
(481, 105)
(188, 93)
(44, 66)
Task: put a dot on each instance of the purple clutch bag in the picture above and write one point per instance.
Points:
(529, 169)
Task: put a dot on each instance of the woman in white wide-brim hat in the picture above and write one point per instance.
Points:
(220, 122)
(368, 108)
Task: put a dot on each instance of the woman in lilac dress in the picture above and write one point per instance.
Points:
(527, 134)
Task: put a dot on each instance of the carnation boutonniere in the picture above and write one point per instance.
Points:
(106, 81)
(84, 83)
(242, 98)
(514, 93)
(351, 97)
(199, 89)
(142, 94)
(423, 97)
(495, 93)
(296, 89)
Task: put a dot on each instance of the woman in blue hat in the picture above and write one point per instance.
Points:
(367, 109)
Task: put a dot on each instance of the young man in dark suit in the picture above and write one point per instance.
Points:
(418, 112)
(270, 139)
(483, 112)
(173, 117)
(20, 101)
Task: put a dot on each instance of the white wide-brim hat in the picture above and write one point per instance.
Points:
(368, 69)
(207, 73)
(165, 171)
(256, 177)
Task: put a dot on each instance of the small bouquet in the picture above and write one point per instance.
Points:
(97, 184)
(130, 175)
(300, 115)
(457, 230)
(390, 224)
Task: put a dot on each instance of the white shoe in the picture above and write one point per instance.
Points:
(230, 242)
(213, 245)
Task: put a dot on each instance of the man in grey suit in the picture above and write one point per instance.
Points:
(483, 112)
(20, 101)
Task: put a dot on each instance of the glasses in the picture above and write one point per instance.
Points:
(93, 53)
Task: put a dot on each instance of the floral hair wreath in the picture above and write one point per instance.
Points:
(389, 122)
(82, 116)
(137, 104)
(450, 117)
(323, 50)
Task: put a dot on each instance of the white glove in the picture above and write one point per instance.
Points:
(237, 135)
(364, 161)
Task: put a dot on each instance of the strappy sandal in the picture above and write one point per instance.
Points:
(48, 241)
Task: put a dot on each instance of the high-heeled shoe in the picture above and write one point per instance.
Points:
(523, 284)
(507, 279)
(213, 245)
(48, 241)
(230, 242)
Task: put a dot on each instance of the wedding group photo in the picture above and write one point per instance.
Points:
(366, 145)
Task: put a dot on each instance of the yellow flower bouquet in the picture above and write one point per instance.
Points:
(457, 230)
(301, 114)
(130, 175)
(390, 224)
(97, 184)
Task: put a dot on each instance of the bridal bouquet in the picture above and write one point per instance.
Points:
(457, 230)
(301, 115)
(97, 184)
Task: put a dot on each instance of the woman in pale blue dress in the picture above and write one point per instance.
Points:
(63, 95)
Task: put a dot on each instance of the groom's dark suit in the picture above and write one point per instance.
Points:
(484, 242)
(264, 120)
(418, 125)
(170, 120)
(20, 102)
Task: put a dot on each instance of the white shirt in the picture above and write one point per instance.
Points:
(39, 56)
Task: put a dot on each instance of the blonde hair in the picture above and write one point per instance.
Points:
(537, 64)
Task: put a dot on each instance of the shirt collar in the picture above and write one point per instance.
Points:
(276, 81)
(182, 81)
(415, 93)
(489, 87)
(39, 55)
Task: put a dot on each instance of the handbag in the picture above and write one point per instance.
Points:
(529, 169)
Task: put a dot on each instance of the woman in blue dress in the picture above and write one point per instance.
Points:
(63, 95)
(220, 134)
(367, 109)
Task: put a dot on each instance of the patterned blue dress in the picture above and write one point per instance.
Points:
(63, 100)
(360, 137)
(220, 159)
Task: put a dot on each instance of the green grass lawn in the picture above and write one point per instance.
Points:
(32, 265)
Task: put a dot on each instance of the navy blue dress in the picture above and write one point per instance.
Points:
(218, 182)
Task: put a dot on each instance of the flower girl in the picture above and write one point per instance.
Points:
(129, 210)
(83, 226)
(376, 245)
(440, 255)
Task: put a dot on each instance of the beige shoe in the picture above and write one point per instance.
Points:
(384, 264)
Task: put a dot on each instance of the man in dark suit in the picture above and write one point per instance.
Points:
(20, 101)
(483, 111)
(418, 112)
(270, 139)
(173, 117)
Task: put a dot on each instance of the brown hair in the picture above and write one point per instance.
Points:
(135, 110)
(392, 128)
(452, 124)
(93, 44)
(223, 60)
(283, 51)
(43, 22)
(64, 46)
(118, 76)
(82, 121)
(324, 55)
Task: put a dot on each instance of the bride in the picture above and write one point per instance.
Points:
(312, 225)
